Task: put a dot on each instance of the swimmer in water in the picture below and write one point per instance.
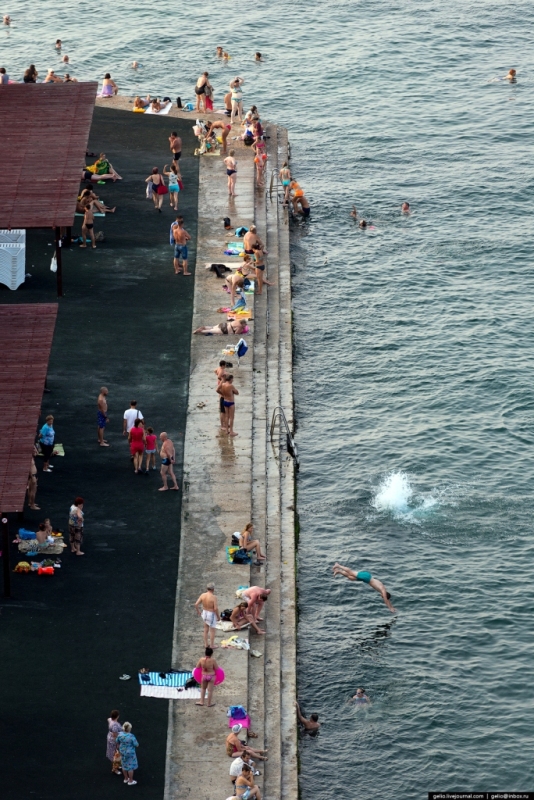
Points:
(135, 64)
(220, 52)
(58, 44)
(257, 57)
(363, 224)
(366, 577)
(226, 57)
(310, 725)
(354, 213)
(360, 698)
(65, 59)
(511, 76)
(7, 19)
(405, 208)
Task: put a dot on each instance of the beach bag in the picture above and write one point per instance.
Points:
(242, 557)
(117, 761)
(237, 712)
(226, 614)
(161, 189)
(53, 264)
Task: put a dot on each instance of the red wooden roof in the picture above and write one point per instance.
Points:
(44, 128)
(26, 333)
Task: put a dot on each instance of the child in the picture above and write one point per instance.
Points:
(150, 448)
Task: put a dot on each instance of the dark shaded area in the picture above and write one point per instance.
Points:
(124, 322)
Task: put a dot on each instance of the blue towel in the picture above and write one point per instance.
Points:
(175, 679)
(24, 534)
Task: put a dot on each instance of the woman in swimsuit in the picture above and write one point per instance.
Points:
(208, 666)
(174, 186)
(248, 543)
(237, 99)
(231, 171)
(109, 87)
(88, 196)
(244, 785)
(260, 160)
(200, 91)
(225, 131)
(285, 177)
(87, 227)
(226, 328)
(157, 182)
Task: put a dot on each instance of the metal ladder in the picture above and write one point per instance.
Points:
(285, 441)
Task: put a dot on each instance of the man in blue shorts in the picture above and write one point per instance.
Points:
(366, 577)
(181, 237)
(102, 416)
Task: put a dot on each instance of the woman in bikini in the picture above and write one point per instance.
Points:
(285, 177)
(237, 99)
(158, 188)
(231, 171)
(174, 187)
(88, 227)
(225, 131)
(248, 543)
(209, 667)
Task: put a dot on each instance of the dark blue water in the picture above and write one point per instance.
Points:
(414, 366)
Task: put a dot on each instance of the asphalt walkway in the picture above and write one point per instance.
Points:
(124, 322)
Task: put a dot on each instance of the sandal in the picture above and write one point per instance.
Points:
(252, 735)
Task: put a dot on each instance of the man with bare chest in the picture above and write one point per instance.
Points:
(228, 392)
(168, 456)
(102, 416)
(181, 237)
(209, 613)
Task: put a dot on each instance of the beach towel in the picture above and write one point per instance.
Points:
(245, 722)
(95, 214)
(170, 693)
(226, 626)
(235, 246)
(171, 679)
(164, 110)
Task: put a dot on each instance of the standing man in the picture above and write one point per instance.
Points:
(102, 416)
(176, 149)
(88, 225)
(366, 577)
(130, 415)
(228, 391)
(210, 614)
(259, 264)
(181, 237)
(167, 454)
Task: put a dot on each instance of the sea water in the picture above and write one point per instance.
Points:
(413, 353)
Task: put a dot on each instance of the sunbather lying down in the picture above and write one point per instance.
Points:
(237, 328)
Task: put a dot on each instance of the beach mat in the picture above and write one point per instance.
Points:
(164, 110)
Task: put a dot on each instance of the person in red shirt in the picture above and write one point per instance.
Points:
(136, 437)
(150, 448)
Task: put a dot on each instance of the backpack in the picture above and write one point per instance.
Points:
(242, 557)
(226, 614)
(237, 712)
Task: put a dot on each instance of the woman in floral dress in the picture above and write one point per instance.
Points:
(114, 728)
(127, 743)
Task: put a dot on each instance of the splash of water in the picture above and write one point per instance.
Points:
(394, 493)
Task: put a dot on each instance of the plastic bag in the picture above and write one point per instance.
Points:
(53, 264)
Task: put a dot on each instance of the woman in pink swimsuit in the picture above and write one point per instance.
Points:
(209, 666)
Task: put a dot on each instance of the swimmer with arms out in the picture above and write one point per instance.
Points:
(366, 577)
(310, 725)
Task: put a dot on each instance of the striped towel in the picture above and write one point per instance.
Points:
(169, 693)
(172, 679)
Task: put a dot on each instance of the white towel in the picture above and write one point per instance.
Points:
(164, 110)
(170, 693)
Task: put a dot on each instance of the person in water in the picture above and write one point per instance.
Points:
(405, 208)
(363, 223)
(310, 725)
(366, 577)
(360, 698)
(512, 76)
(354, 212)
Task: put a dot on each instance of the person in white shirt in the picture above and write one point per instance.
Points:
(130, 415)
(237, 765)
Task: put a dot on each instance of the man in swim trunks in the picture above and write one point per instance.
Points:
(209, 613)
(228, 391)
(88, 225)
(251, 241)
(102, 416)
(366, 577)
(302, 201)
(256, 597)
(176, 149)
(181, 237)
(167, 454)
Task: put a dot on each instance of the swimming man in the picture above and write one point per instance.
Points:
(366, 577)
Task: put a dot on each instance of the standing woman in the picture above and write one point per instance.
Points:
(200, 90)
(174, 187)
(76, 526)
(114, 728)
(158, 188)
(237, 99)
(126, 742)
(136, 437)
(109, 87)
(46, 440)
(285, 177)
(231, 171)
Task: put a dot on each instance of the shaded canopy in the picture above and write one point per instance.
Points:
(44, 129)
